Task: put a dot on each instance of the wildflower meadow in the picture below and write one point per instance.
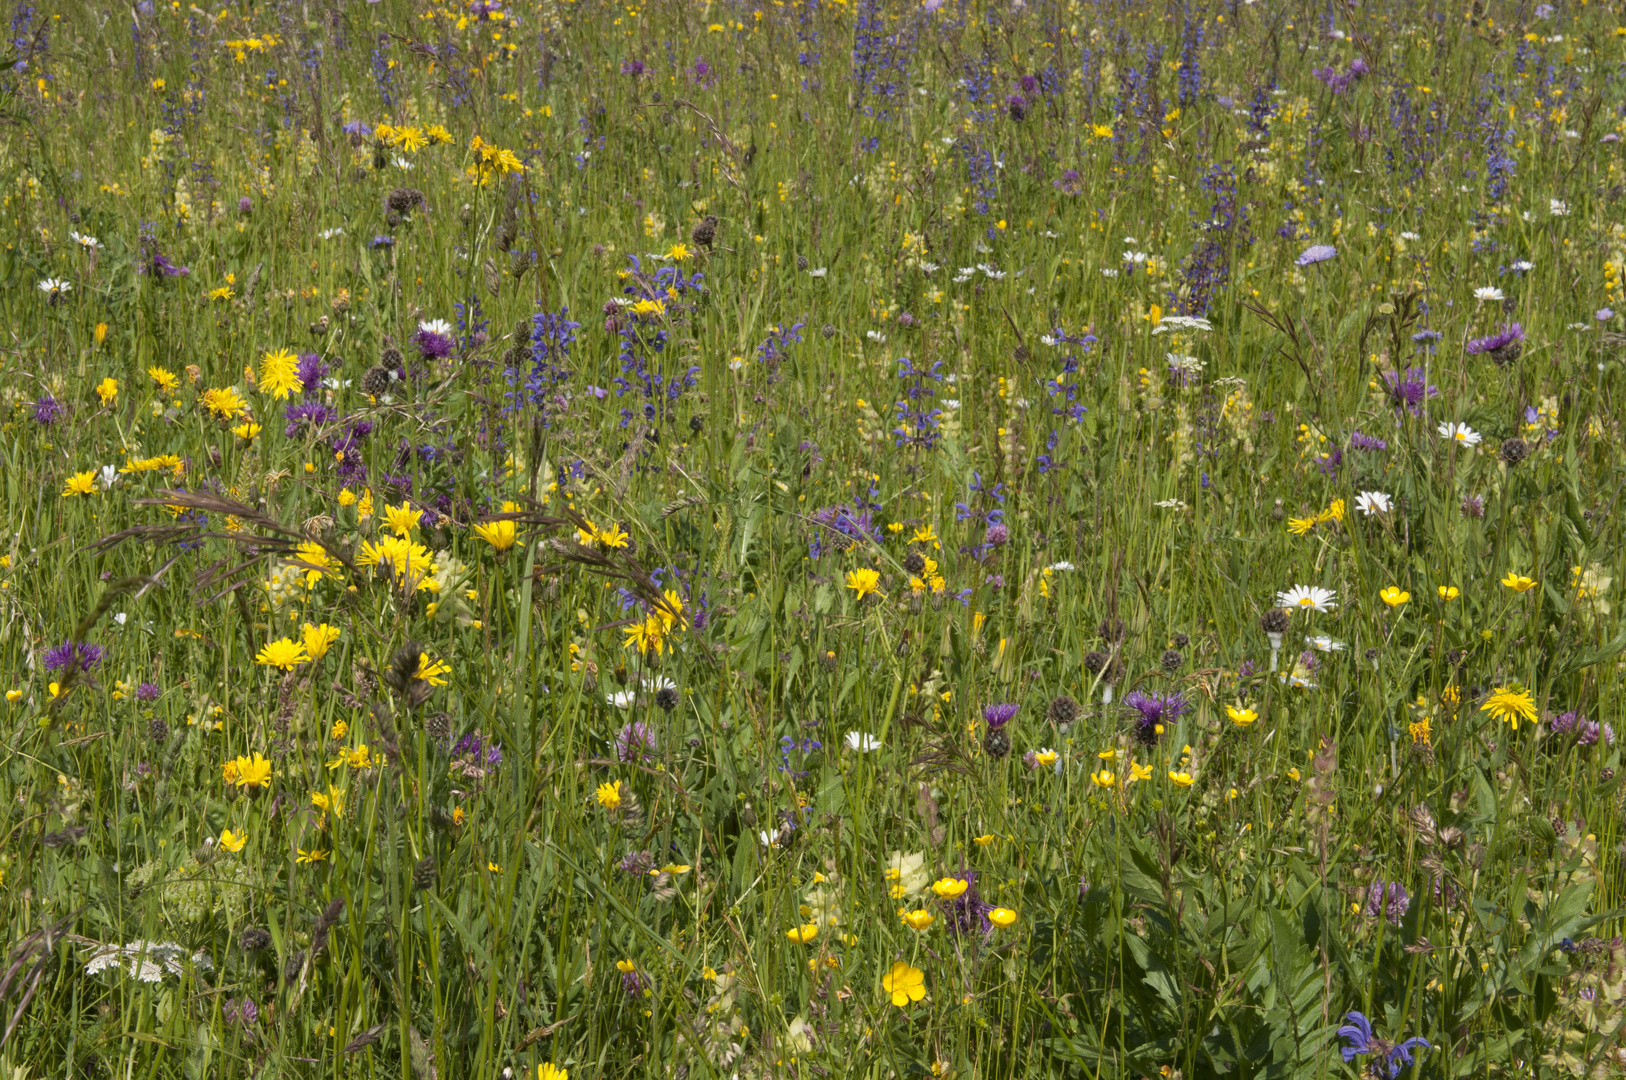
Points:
(805, 539)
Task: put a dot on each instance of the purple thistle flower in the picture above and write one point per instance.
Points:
(635, 742)
(48, 410)
(634, 68)
(1410, 390)
(147, 692)
(968, 912)
(432, 344)
(1315, 253)
(73, 656)
(307, 414)
(311, 371)
(997, 716)
(1154, 713)
(1388, 900)
(1510, 334)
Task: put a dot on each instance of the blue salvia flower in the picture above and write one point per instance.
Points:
(1387, 1059)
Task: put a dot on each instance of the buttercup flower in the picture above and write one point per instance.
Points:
(1393, 596)
(1002, 917)
(1241, 717)
(1518, 582)
(904, 984)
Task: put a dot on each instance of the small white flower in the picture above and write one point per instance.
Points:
(1307, 598)
(84, 241)
(1046, 339)
(121, 617)
(1052, 235)
(621, 699)
(1063, 565)
(875, 336)
(1171, 504)
(862, 742)
(109, 476)
(1373, 502)
(820, 272)
(949, 404)
(401, 163)
(328, 234)
(436, 326)
(1323, 643)
(1558, 207)
(1181, 322)
(1487, 292)
(1459, 433)
(769, 837)
(55, 287)
(1524, 266)
(1108, 272)
(1410, 236)
(1136, 257)
(1186, 365)
(735, 364)
(928, 267)
(1130, 240)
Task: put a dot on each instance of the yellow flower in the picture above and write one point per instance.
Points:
(948, 888)
(646, 635)
(283, 653)
(803, 934)
(1334, 511)
(924, 535)
(14, 696)
(340, 728)
(1510, 703)
(359, 758)
(233, 841)
(493, 867)
(864, 581)
(80, 484)
(1518, 582)
(1182, 779)
(313, 855)
(402, 519)
(1002, 917)
(984, 840)
(1420, 732)
(408, 563)
(904, 984)
(1394, 597)
(678, 252)
(332, 800)
(318, 639)
(246, 431)
(165, 380)
(1241, 717)
(673, 868)
(499, 534)
(1300, 526)
(919, 919)
(1104, 778)
(279, 373)
(224, 403)
(317, 560)
(252, 772)
(609, 795)
(549, 1071)
(1046, 757)
(1449, 592)
(1293, 774)
(1139, 772)
(346, 497)
(108, 390)
(430, 671)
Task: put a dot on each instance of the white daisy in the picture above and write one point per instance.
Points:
(1410, 236)
(1460, 433)
(1307, 598)
(1524, 266)
(1558, 207)
(328, 234)
(621, 699)
(1107, 271)
(1063, 565)
(401, 163)
(436, 326)
(55, 287)
(862, 742)
(1487, 292)
(85, 241)
(949, 403)
(109, 476)
(875, 336)
(927, 267)
(1323, 643)
(1373, 502)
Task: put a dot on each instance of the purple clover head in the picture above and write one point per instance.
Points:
(635, 742)
(997, 534)
(1388, 899)
(997, 716)
(147, 692)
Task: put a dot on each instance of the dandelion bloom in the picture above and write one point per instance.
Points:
(224, 403)
(279, 373)
(1308, 598)
(904, 984)
(433, 672)
(108, 390)
(1002, 917)
(318, 639)
(252, 772)
(864, 581)
(313, 855)
(609, 795)
(1518, 582)
(549, 1071)
(283, 653)
(1241, 717)
(1512, 704)
(948, 888)
(80, 484)
(1394, 597)
(919, 919)
(233, 841)
(804, 933)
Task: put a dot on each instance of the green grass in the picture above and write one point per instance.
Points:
(500, 916)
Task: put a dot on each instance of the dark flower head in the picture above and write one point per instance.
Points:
(48, 410)
(1504, 346)
(433, 344)
(968, 912)
(997, 716)
(1154, 713)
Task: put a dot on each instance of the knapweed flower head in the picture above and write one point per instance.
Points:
(997, 716)
(73, 656)
(1388, 1059)
(1154, 714)
(1503, 346)
(1407, 391)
